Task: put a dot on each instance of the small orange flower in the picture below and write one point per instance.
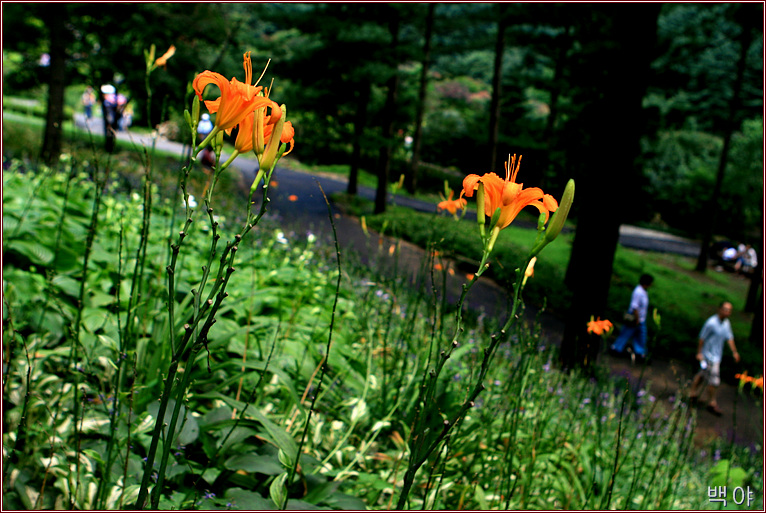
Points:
(758, 382)
(273, 183)
(507, 195)
(598, 326)
(163, 60)
(451, 205)
(237, 100)
(438, 267)
(469, 276)
(292, 197)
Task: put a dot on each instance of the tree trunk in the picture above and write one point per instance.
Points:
(497, 84)
(55, 18)
(411, 180)
(609, 97)
(360, 121)
(384, 164)
(713, 206)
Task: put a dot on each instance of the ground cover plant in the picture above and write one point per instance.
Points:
(167, 352)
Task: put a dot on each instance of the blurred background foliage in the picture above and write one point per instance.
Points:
(334, 60)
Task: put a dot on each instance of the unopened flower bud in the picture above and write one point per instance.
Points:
(560, 216)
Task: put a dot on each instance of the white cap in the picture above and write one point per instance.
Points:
(108, 89)
(205, 116)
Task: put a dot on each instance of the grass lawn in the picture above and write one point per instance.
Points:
(683, 297)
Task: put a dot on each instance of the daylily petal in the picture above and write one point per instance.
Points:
(244, 141)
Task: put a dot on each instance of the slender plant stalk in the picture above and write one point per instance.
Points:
(327, 349)
(75, 328)
(610, 487)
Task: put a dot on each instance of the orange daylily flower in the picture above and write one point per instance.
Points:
(163, 60)
(237, 100)
(451, 205)
(507, 195)
(598, 326)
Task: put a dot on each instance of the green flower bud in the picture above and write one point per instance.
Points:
(560, 216)
(195, 112)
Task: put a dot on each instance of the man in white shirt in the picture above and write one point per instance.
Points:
(639, 306)
(715, 331)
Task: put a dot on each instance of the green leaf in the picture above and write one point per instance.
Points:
(189, 427)
(67, 285)
(255, 463)
(94, 318)
(246, 500)
(34, 251)
(285, 459)
(278, 490)
(479, 495)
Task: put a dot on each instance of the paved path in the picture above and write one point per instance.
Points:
(313, 209)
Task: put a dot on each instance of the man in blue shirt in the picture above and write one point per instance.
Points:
(715, 331)
(639, 306)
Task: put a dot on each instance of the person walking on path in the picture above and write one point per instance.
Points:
(715, 331)
(88, 99)
(635, 330)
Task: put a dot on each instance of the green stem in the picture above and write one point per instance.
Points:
(327, 349)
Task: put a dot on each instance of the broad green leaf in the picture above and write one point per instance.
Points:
(247, 500)
(34, 251)
(256, 463)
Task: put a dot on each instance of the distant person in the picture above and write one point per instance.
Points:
(204, 127)
(127, 118)
(635, 324)
(88, 99)
(747, 259)
(112, 114)
(715, 331)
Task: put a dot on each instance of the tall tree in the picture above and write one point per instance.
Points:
(497, 81)
(360, 122)
(747, 23)
(389, 111)
(55, 17)
(411, 178)
(603, 147)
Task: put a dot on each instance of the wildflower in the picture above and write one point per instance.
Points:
(450, 205)
(292, 197)
(507, 195)
(599, 327)
(237, 100)
(163, 60)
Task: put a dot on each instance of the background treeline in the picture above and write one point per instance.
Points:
(654, 109)
(336, 61)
